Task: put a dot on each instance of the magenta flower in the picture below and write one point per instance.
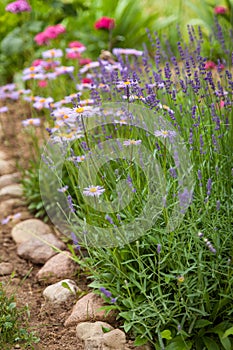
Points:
(49, 33)
(18, 6)
(220, 10)
(105, 23)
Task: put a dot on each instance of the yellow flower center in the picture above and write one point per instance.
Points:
(93, 189)
(126, 82)
(32, 68)
(79, 110)
(165, 132)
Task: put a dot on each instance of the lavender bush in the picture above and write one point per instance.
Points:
(171, 287)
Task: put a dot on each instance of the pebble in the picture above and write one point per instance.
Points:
(6, 167)
(27, 229)
(86, 330)
(6, 268)
(57, 293)
(88, 308)
(9, 179)
(15, 190)
(7, 206)
(58, 267)
(3, 155)
(38, 250)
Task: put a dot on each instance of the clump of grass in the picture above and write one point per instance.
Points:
(13, 322)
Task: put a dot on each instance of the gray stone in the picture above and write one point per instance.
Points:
(6, 268)
(6, 167)
(57, 293)
(93, 336)
(60, 266)
(9, 179)
(88, 308)
(39, 250)
(27, 229)
(15, 190)
(114, 340)
(85, 330)
(7, 206)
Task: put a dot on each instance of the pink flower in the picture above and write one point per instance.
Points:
(105, 23)
(49, 33)
(52, 32)
(75, 44)
(73, 55)
(41, 39)
(220, 10)
(18, 6)
(210, 65)
(87, 81)
(42, 83)
(84, 61)
(37, 62)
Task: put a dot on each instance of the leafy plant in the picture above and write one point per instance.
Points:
(12, 322)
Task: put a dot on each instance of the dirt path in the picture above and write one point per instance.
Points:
(46, 321)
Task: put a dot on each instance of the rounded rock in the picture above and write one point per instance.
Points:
(28, 229)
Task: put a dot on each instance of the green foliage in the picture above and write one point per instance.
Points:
(12, 323)
(31, 190)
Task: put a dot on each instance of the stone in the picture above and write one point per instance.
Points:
(85, 330)
(9, 179)
(6, 167)
(88, 308)
(3, 155)
(100, 336)
(6, 268)
(27, 229)
(58, 267)
(7, 206)
(15, 190)
(114, 340)
(57, 294)
(39, 250)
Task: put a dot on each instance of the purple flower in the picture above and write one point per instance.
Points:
(159, 248)
(63, 189)
(31, 121)
(165, 133)
(132, 142)
(105, 292)
(209, 186)
(18, 6)
(70, 203)
(75, 240)
(93, 191)
(185, 199)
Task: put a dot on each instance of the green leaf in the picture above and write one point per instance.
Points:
(228, 332)
(202, 323)
(226, 343)
(66, 285)
(179, 344)
(210, 343)
(140, 341)
(12, 45)
(166, 334)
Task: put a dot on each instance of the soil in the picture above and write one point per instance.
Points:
(46, 321)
